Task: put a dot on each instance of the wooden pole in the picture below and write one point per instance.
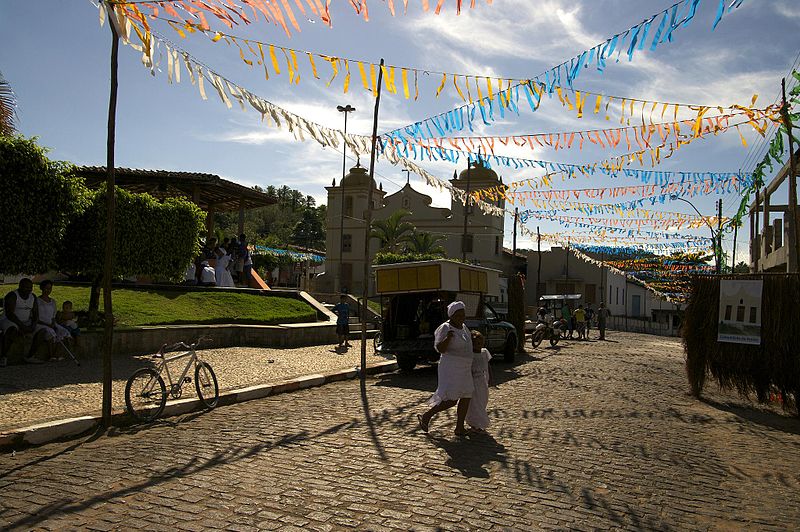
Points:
(108, 331)
(368, 221)
(795, 241)
(466, 217)
(719, 237)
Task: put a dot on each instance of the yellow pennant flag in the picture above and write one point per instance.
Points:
(274, 59)
(347, 76)
(313, 66)
(597, 103)
(458, 89)
(489, 87)
(263, 61)
(404, 76)
(288, 65)
(372, 79)
(441, 85)
(296, 68)
(363, 75)
(388, 75)
(334, 62)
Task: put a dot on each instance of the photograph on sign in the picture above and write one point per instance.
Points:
(740, 312)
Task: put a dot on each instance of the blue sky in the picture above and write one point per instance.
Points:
(56, 57)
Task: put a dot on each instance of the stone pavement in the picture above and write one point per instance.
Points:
(589, 435)
(31, 394)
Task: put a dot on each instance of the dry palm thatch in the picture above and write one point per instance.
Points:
(8, 108)
(773, 366)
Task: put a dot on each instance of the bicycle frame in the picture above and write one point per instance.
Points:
(164, 368)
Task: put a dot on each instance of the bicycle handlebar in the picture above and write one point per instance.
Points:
(180, 345)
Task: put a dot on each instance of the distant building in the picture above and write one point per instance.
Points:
(347, 231)
(563, 272)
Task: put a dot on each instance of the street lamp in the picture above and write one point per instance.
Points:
(714, 234)
(342, 109)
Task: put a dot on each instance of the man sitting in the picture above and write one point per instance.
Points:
(20, 319)
(208, 277)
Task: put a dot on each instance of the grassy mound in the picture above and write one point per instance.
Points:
(153, 307)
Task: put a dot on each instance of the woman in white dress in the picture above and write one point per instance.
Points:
(454, 341)
(53, 332)
(224, 277)
(477, 417)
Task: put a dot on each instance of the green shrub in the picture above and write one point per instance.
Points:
(37, 200)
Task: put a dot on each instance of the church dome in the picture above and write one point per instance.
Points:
(356, 177)
(478, 172)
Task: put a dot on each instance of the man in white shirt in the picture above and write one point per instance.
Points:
(20, 318)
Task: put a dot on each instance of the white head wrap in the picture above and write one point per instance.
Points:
(454, 307)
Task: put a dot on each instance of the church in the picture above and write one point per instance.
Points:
(481, 244)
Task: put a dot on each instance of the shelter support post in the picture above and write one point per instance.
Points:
(241, 216)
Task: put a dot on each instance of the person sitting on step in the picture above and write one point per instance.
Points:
(21, 317)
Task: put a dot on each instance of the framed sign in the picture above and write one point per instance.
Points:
(739, 312)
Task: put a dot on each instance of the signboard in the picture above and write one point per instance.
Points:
(740, 312)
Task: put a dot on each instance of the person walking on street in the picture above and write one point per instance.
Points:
(342, 310)
(454, 341)
(566, 314)
(602, 315)
(589, 318)
(580, 322)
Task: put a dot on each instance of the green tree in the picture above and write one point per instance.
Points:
(425, 243)
(309, 230)
(150, 238)
(392, 232)
(38, 197)
(8, 108)
(742, 267)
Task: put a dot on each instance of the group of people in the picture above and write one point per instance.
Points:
(464, 374)
(232, 263)
(25, 314)
(580, 320)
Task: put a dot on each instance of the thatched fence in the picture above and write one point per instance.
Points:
(761, 370)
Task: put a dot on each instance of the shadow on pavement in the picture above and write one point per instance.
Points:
(758, 416)
(471, 453)
(92, 437)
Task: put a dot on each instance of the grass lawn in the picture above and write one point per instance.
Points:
(139, 307)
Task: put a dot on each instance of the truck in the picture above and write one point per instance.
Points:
(414, 298)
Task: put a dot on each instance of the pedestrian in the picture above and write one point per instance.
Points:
(453, 341)
(589, 318)
(477, 418)
(602, 314)
(342, 310)
(580, 322)
(566, 315)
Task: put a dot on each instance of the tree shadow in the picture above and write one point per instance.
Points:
(758, 416)
(92, 437)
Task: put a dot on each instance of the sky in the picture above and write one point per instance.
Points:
(56, 58)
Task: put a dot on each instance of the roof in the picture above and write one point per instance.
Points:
(206, 190)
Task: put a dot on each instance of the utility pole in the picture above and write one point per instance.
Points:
(338, 277)
(787, 122)
(566, 275)
(719, 236)
(539, 269)
(466, 216)
(514, 245)
(368, 221)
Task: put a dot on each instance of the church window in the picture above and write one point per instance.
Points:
(348, 206)
(466, 243)
(406, 203)
(497, 245)
(347, 243)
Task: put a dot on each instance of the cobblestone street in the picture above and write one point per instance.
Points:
(589, 435)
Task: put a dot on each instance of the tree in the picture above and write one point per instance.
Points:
(150, 238)
(38, 197)
(742, 267)
(8, 108)
(425, 243)
(392, 232)
(309, 230)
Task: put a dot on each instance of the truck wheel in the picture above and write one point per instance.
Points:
(406, 363)
(510, 349)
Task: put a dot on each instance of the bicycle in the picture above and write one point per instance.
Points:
(146, 392)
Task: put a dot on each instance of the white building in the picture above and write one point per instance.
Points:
(562, 272)
(347, 231)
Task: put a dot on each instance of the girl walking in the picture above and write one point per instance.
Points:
(477, 418)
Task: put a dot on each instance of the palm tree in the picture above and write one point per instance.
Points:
(425, 243)
(8, 105)
(393, 231)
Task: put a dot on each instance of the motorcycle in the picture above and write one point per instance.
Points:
(543, 332)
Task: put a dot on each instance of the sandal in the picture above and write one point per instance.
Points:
(422, 426)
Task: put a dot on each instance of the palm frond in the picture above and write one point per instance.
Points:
(8, 108)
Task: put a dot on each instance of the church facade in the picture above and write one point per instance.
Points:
(347, 232)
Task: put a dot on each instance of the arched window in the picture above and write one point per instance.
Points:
(348, 206)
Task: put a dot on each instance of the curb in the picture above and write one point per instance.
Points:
(65, 428)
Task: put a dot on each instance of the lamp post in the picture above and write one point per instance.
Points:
(715, 235)
(337, 278)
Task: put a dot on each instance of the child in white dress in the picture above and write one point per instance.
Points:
(477, 418)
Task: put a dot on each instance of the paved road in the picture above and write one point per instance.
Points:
(593, 435)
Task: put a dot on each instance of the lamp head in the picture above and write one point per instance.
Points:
(345, 109)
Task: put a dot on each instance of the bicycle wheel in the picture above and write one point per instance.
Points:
(206, 383)
(145, 395)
